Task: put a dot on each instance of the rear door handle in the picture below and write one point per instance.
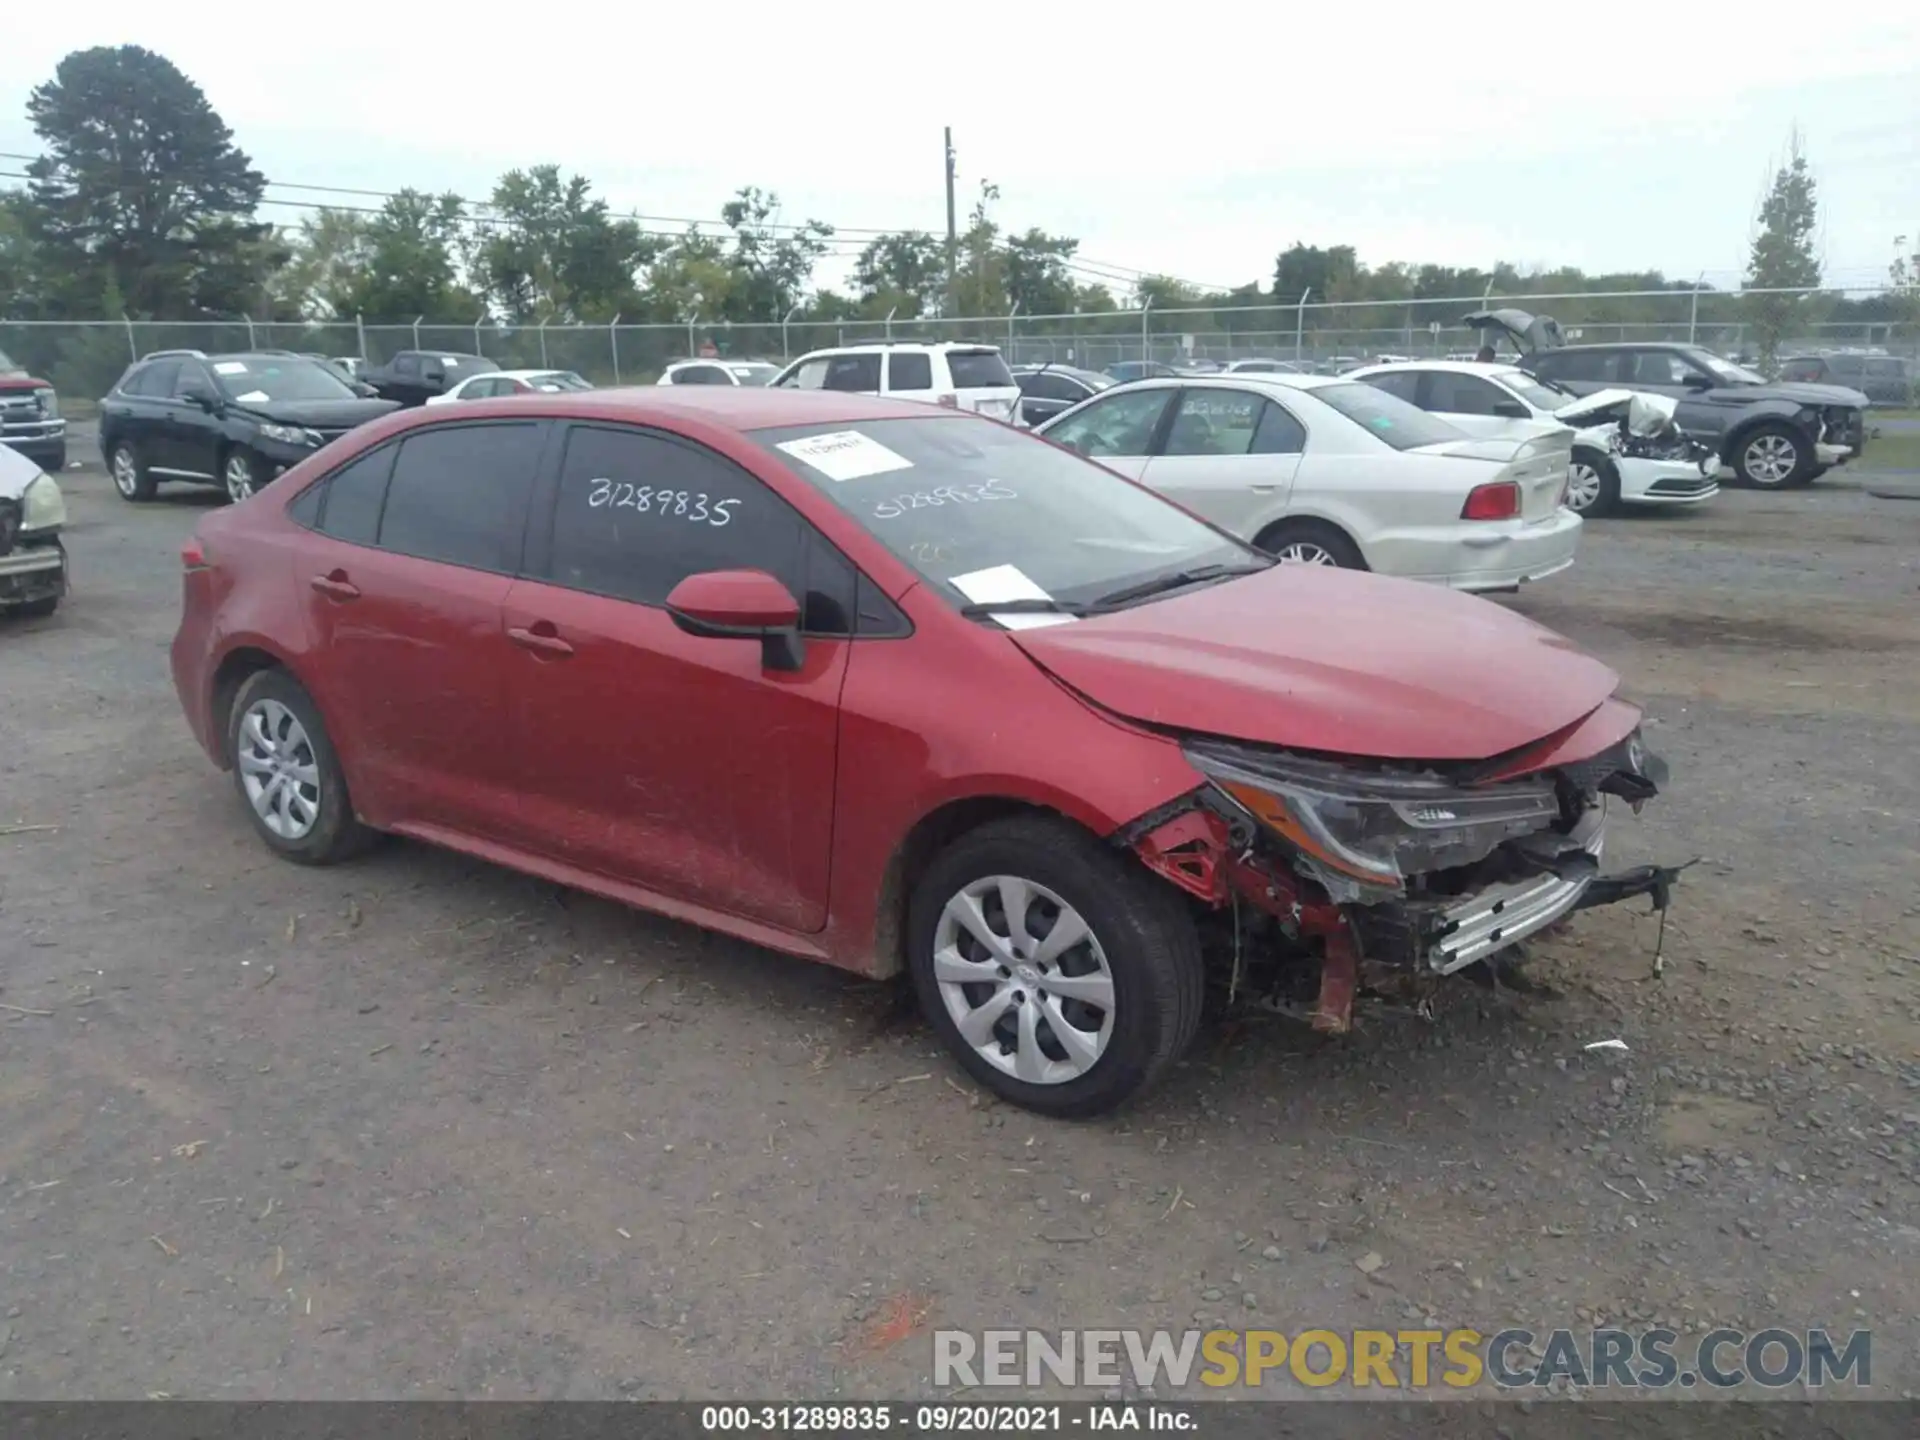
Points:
(541, 639)
(336, 586)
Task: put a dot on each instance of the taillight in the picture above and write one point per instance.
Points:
(952, 402)
(193, 555)
(1498, 501)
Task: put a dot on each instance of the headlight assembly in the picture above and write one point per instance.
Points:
(286, 434)
(42, 507)
(48, 401)
(1377, 828)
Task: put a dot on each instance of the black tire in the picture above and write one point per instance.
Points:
(58, 461)
(1312, 535)
(1607, 500)
(335, 833)
(1757, 458)
(128, 469)
(33, 609)
(1149, 941)
(240, 471)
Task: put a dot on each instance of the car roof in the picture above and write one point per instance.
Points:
(721, 360)
(518, 374)
(1279, 380)
(730, 407)
(976, 346)
(1079, 370)
(1494, 370)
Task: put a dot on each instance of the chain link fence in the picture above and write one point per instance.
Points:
(84, 358)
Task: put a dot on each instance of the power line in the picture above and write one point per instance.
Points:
(1105, 271)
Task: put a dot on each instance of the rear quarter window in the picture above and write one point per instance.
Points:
(909, 370)
(978, 370)
(1388, 419)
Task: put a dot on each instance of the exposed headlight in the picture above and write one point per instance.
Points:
(42, 507)
(1370, 826)
(287, 434)
(48, 401)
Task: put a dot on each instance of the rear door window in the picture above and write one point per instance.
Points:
(909, 370)
(1451, 393)
(350, 499)
(1402, 384)
(978, 370)
(459, 494)
(1280, 433)
(1585, 365)
(155, 380)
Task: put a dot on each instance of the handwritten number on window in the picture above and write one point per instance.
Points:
(695, 508)
(944, 495)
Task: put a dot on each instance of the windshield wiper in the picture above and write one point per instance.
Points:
(1179, 580)
(1030, 605)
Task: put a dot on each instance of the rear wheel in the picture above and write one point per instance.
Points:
(1310, 542)
(130, 474)
(1063, 977)
(1773, 456)
(288, 775)
(1593, 484)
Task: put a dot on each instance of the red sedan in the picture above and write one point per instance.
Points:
(900, 689)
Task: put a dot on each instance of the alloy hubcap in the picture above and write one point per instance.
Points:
(279, 769)
(1583, 487)
(1024, 979)
(126, 476)
(1304, 552)
(239, 478)
(1770, 459)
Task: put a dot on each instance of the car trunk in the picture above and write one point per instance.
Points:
(1538, 465)
(982, 383)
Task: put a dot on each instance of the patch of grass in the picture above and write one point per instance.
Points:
(1892, 413)
(1892, 451)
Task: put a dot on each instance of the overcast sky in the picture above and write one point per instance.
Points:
(1193, 142)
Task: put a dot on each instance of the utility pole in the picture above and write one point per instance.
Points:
(953, 232)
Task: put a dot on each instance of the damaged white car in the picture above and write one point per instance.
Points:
(1626, 451)
(33, 562)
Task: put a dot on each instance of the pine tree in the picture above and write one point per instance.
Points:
(1783, 255)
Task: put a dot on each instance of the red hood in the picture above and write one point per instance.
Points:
(1338, 661)
(13, 381)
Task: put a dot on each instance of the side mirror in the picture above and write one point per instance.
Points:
(741, 605)
(1511, 410)
(201, 398)
(1696, 381)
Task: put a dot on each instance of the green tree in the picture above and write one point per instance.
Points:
(773, 262)
(907, 269)
(1331, 274)
(1037, 277)
(22, 283)
(1783, 252)
(141, 186)
(552, 251)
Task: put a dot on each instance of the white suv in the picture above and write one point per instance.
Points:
(962, 377)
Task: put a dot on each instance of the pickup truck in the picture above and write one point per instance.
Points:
(30, 418)
(414, 376)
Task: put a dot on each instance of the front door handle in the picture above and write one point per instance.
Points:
(540, 639)
(336, 586)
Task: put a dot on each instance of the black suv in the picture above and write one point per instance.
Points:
(230, 420)
(1769, 433)
(1884, 379)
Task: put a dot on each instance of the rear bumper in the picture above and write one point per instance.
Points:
(1481, 555)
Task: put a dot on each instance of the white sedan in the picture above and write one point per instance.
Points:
(1485, 399)
(718, 372)
(1332, 472)
(490, 384)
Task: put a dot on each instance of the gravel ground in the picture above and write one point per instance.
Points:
(422, 1128)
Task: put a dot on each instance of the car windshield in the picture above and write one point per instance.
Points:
(1387, 418)
(1541, 394)
(1725, 371)
(985, 512)
(255, 379)
(754, 374)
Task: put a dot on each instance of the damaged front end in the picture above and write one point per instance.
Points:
(1391, 876)
(1641, 427)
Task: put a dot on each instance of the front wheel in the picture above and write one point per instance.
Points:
(1774, 456)
(1593, 484)
(241, 472)
(1063, 977)
(1310, 542)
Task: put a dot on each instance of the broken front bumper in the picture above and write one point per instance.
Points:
(1502, 915)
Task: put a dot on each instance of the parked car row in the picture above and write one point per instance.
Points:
(924, 693)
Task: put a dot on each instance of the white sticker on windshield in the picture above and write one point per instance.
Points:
(254, 397)
(229, 367)
(845, 455)
(1004, 583)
